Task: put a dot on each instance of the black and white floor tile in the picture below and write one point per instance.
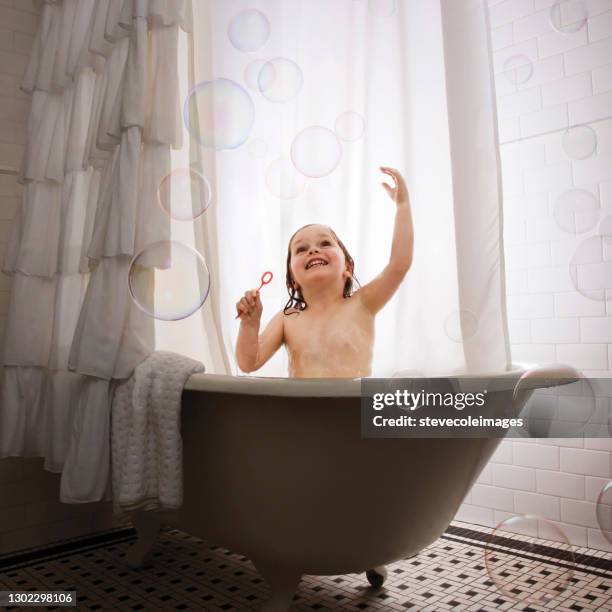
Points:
(187, 574)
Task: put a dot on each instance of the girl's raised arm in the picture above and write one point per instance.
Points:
(380, 290)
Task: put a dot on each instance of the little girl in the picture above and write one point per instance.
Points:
(327, 329)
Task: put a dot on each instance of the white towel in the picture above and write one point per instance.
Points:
(147, 450)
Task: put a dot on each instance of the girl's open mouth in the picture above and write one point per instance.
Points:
(315, 262)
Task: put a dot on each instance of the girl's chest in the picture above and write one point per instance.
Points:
(345, 327)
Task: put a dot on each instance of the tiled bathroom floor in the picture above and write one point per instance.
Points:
(185, 573)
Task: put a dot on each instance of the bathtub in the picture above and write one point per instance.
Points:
(277, 470)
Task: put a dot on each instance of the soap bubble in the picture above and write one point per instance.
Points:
(349, 126)
(280, 80)
(579, 142)
(219, 114)
(554, 401)
(184, 194)
(381, 8)
(283, 180)
(251, 73)
(604, 511)
(568, 16)
(518, 69)
(258, 148)
(169, 280)
(589, 271)
(316, 151)
(460, 325)
(576, 211)
(249, 30)
(544, 569)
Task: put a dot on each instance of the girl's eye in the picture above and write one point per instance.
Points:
(300, 249)
(326, 243)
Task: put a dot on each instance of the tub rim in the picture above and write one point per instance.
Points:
(335, 387)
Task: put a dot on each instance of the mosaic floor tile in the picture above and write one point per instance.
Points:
(187, 574)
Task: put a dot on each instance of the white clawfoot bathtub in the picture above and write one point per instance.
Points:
(277, 470)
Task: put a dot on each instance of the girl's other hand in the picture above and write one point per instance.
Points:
(399, 192)
(249, 308)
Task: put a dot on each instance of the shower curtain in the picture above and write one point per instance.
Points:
(105, 115)
(362, 84)
(296, 105)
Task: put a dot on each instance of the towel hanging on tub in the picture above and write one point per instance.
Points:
(147, 451)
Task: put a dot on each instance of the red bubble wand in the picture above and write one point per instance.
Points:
(266, 278)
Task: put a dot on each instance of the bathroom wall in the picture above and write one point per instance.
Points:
(566, 81)
(30, 514)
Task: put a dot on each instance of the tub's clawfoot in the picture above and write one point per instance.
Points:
(282, 582)
(147, 525)
(377, 576)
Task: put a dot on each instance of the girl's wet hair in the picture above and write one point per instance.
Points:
(296, 299)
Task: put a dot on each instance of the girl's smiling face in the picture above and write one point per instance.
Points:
(315, 255)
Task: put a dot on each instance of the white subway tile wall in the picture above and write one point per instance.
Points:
(568, 83)
(30, 513)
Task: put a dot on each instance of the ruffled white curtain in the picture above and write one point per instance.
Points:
(106, 115)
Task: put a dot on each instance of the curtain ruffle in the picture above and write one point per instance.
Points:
(103, 121)
(73, 32)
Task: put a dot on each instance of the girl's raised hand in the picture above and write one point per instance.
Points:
(399, 192)
(249, 307)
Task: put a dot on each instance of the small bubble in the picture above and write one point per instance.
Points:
(184, 194)
(568, 16)
(518, 69)
(280, 80)
(579, 142)
(576, 211)
(461, 325)
(590, 272)
(316, 151)
(349, 126)
(249, 30)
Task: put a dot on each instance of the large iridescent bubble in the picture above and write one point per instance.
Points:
(169, 280)
(249, 30)
(542, 572)
(604, 511)
(554, 401)
(219, 114)
(316, 151)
